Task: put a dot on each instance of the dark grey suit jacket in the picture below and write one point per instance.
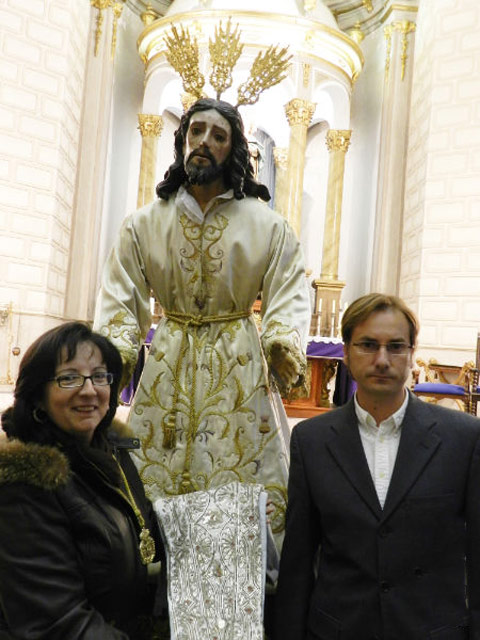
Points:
(392, 574)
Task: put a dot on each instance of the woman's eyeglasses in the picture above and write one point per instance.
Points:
(72, 380)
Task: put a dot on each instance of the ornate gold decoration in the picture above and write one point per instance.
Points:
(117, 12)
(268, 68)
(225, 50)
(149, 15)
(187, 99)
(368, 4)
(388, 37)
(338, 139)
(404, 27)
(356, 33)
(146, 545)
(307, 69)
(182, 54)
(299, 111)
(101, 6)
(150, 125)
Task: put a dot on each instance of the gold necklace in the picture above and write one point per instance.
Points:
(147, 543)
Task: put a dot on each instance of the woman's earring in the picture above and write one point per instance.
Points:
(39, 415)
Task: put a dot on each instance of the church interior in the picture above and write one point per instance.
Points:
(370, 147)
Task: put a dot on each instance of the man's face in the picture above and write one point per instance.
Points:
(207, 146)
(380, 376)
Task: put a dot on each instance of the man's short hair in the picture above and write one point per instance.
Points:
(363, 307)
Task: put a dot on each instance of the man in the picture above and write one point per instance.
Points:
(204, 409)
(383, 521)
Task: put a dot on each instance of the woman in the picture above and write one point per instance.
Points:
(77, 534)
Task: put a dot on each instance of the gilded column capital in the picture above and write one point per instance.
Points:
(404, 27)
(280, 156)
(299, 111)
(338, 139)
(150, 125)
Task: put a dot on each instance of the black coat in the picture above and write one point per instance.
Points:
(391, 574)
(69, 560)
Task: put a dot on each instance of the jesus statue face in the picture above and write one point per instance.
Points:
(207, 146)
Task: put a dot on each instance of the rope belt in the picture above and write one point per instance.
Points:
(189, 321)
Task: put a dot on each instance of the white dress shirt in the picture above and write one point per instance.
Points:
(381, 444)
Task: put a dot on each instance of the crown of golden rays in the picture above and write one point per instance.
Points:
(268, 68)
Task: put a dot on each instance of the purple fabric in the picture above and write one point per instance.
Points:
(440, 387)
(325, 349)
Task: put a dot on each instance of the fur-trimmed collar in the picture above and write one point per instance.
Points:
(40, 465)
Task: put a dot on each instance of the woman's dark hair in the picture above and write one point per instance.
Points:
(239, 174)
(38, 367)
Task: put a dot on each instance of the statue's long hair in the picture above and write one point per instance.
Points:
(238, 175)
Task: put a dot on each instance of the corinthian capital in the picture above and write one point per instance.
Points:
(150, 125)
(338, 139)
(299, 111)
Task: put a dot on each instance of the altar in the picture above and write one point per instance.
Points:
(324, 365)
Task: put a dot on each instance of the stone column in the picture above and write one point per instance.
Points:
(328, 289)
(280, 156)
(83, 267)
(338, 141)
(150, 126)
(400, 41)
(299, 113)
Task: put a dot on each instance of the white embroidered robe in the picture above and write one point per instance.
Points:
(204, 409)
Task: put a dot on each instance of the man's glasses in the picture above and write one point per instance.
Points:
(372, 347)
(72, 380)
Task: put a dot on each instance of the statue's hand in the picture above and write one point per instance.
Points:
(284, 366)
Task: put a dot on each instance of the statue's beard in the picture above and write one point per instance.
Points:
(203, 175)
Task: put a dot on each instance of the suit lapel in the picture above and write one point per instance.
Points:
(418, 444)
(346, 448)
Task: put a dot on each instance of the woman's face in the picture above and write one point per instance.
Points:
(78, 411)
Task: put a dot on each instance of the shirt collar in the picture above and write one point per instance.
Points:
(188, 205)
(392, 424)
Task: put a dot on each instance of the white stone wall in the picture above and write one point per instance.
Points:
(43, 45)
(441, 245)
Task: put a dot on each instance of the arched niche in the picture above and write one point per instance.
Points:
(333, 105)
